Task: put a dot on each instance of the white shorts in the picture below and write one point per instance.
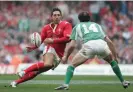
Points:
(95, 47)
(49, 49)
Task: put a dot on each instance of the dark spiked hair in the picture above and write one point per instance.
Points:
(84, 16)
(55, 9)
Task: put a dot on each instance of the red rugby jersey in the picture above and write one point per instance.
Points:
(60, 33)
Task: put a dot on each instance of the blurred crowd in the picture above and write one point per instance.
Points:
(18, 19)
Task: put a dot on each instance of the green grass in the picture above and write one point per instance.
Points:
(73, 87)
(61, 77)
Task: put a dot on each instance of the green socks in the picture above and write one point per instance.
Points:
(114, 65)
(69, 74)
(116, 70)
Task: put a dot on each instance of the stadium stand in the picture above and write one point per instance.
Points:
(20, 18)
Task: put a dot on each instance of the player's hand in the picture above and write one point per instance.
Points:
(64, 59)
(48, 41)
(30, 48)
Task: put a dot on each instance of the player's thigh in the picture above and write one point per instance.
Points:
(103, 50)
(78, 59)
(56, 62)
(50, 56)
(85, 53)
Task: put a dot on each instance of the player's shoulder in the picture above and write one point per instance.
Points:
(94, 23)
(64, 22)
(77, 25)
(45, 26)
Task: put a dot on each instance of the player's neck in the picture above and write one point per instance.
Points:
(55, 23)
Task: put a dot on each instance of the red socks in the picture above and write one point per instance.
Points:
(26, 77)
(33, 71)
(35, 67)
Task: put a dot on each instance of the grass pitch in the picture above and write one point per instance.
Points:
(47, 83)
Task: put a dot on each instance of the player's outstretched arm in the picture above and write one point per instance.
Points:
(30, 48)
(69, 49)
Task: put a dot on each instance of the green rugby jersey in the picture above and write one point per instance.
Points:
(87, 31)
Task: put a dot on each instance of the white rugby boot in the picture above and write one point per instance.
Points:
(13, 84)
(125, 84)
(62, 87)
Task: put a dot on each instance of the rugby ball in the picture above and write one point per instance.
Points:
(35, 39)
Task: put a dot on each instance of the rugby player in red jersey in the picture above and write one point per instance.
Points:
(55, 36)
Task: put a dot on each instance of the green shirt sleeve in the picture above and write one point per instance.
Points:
(74, 34)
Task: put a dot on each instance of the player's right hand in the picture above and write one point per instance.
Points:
(30, 48)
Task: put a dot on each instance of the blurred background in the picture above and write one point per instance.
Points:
(18, 19)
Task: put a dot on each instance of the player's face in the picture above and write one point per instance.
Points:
(56, 17)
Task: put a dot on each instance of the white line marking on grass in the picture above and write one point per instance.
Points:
(77, 82)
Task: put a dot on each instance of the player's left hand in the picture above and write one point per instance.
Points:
(64, 60)
(48, 41)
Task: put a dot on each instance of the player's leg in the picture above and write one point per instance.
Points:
(110, 59)
(116, 69)
(26, 77)
(114, 66)
(47, 64)
(48, 58)
(78, 59)
(83, 55)
(34, 71)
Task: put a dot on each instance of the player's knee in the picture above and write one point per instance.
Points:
(109, 58)
(49, 65)
(73, 64)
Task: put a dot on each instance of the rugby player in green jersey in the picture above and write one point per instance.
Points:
(95, 42)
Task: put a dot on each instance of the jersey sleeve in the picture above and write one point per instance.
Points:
(74, 35)
(43, 34)
(67, 30)
(66, 34)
